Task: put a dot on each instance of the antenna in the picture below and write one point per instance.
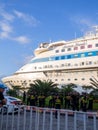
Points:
(75, 35)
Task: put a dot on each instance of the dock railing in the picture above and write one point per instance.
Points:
(35, 118)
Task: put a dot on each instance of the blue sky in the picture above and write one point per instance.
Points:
(24, 24)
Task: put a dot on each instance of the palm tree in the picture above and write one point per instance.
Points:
(14, 91)
(45, 87)
(68, 88)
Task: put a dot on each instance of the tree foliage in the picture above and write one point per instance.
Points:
(43, 87)
(68, 88)
(14, 91)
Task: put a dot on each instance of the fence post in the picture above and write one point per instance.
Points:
(66, 120)
(51, 118)
(58, 119)
(84, 120)
(31, 109)
(24, 123)
(12, 116)
(75, 120)
(94, 118)
(1, 119)
(18, 120)
(44, 119)
(37, 119)
(7, 120)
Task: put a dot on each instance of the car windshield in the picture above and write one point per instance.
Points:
(11, 98)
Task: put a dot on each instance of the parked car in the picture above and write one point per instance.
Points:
(13, 105)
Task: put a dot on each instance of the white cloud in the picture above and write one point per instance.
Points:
(4, 35)
(85, 22)
(29, 19)
(22, 39)
(7, 16)
(5, 29)
(82, 22)
(9, 28)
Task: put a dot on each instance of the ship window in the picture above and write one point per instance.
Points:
(76, 48)
(96, 45)
(63, 50)
(82, 63)
(69, 64)
(45, 66)
(62, 79)
(69, 57)
(51, 66)
(90, 62)
(95, 62)
(82, 47)
(62, 65)
(68, 79)
(57, 58)
(69, 49)
(97, 53)
(83, 79)
(75, 79)
(90, 54)
(56, 80)
(76, 56)
(62, 57)
(83, 55)
(57, 51)
(89, 46)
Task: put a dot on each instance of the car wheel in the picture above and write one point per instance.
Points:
(4, 110)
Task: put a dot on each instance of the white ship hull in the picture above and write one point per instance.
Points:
(74, 61)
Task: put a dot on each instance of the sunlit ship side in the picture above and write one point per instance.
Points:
(63, 62)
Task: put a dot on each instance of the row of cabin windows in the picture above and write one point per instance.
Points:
(55, 80)
(65, 56)
(76, 48)
(70, 79)
(79, 55)
(20, 81)
(69, 64)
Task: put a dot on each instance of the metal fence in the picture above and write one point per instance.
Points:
(35, 118)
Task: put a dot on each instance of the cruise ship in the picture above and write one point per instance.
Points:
(63, 62)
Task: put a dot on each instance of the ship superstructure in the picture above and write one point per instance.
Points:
(63, 62)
